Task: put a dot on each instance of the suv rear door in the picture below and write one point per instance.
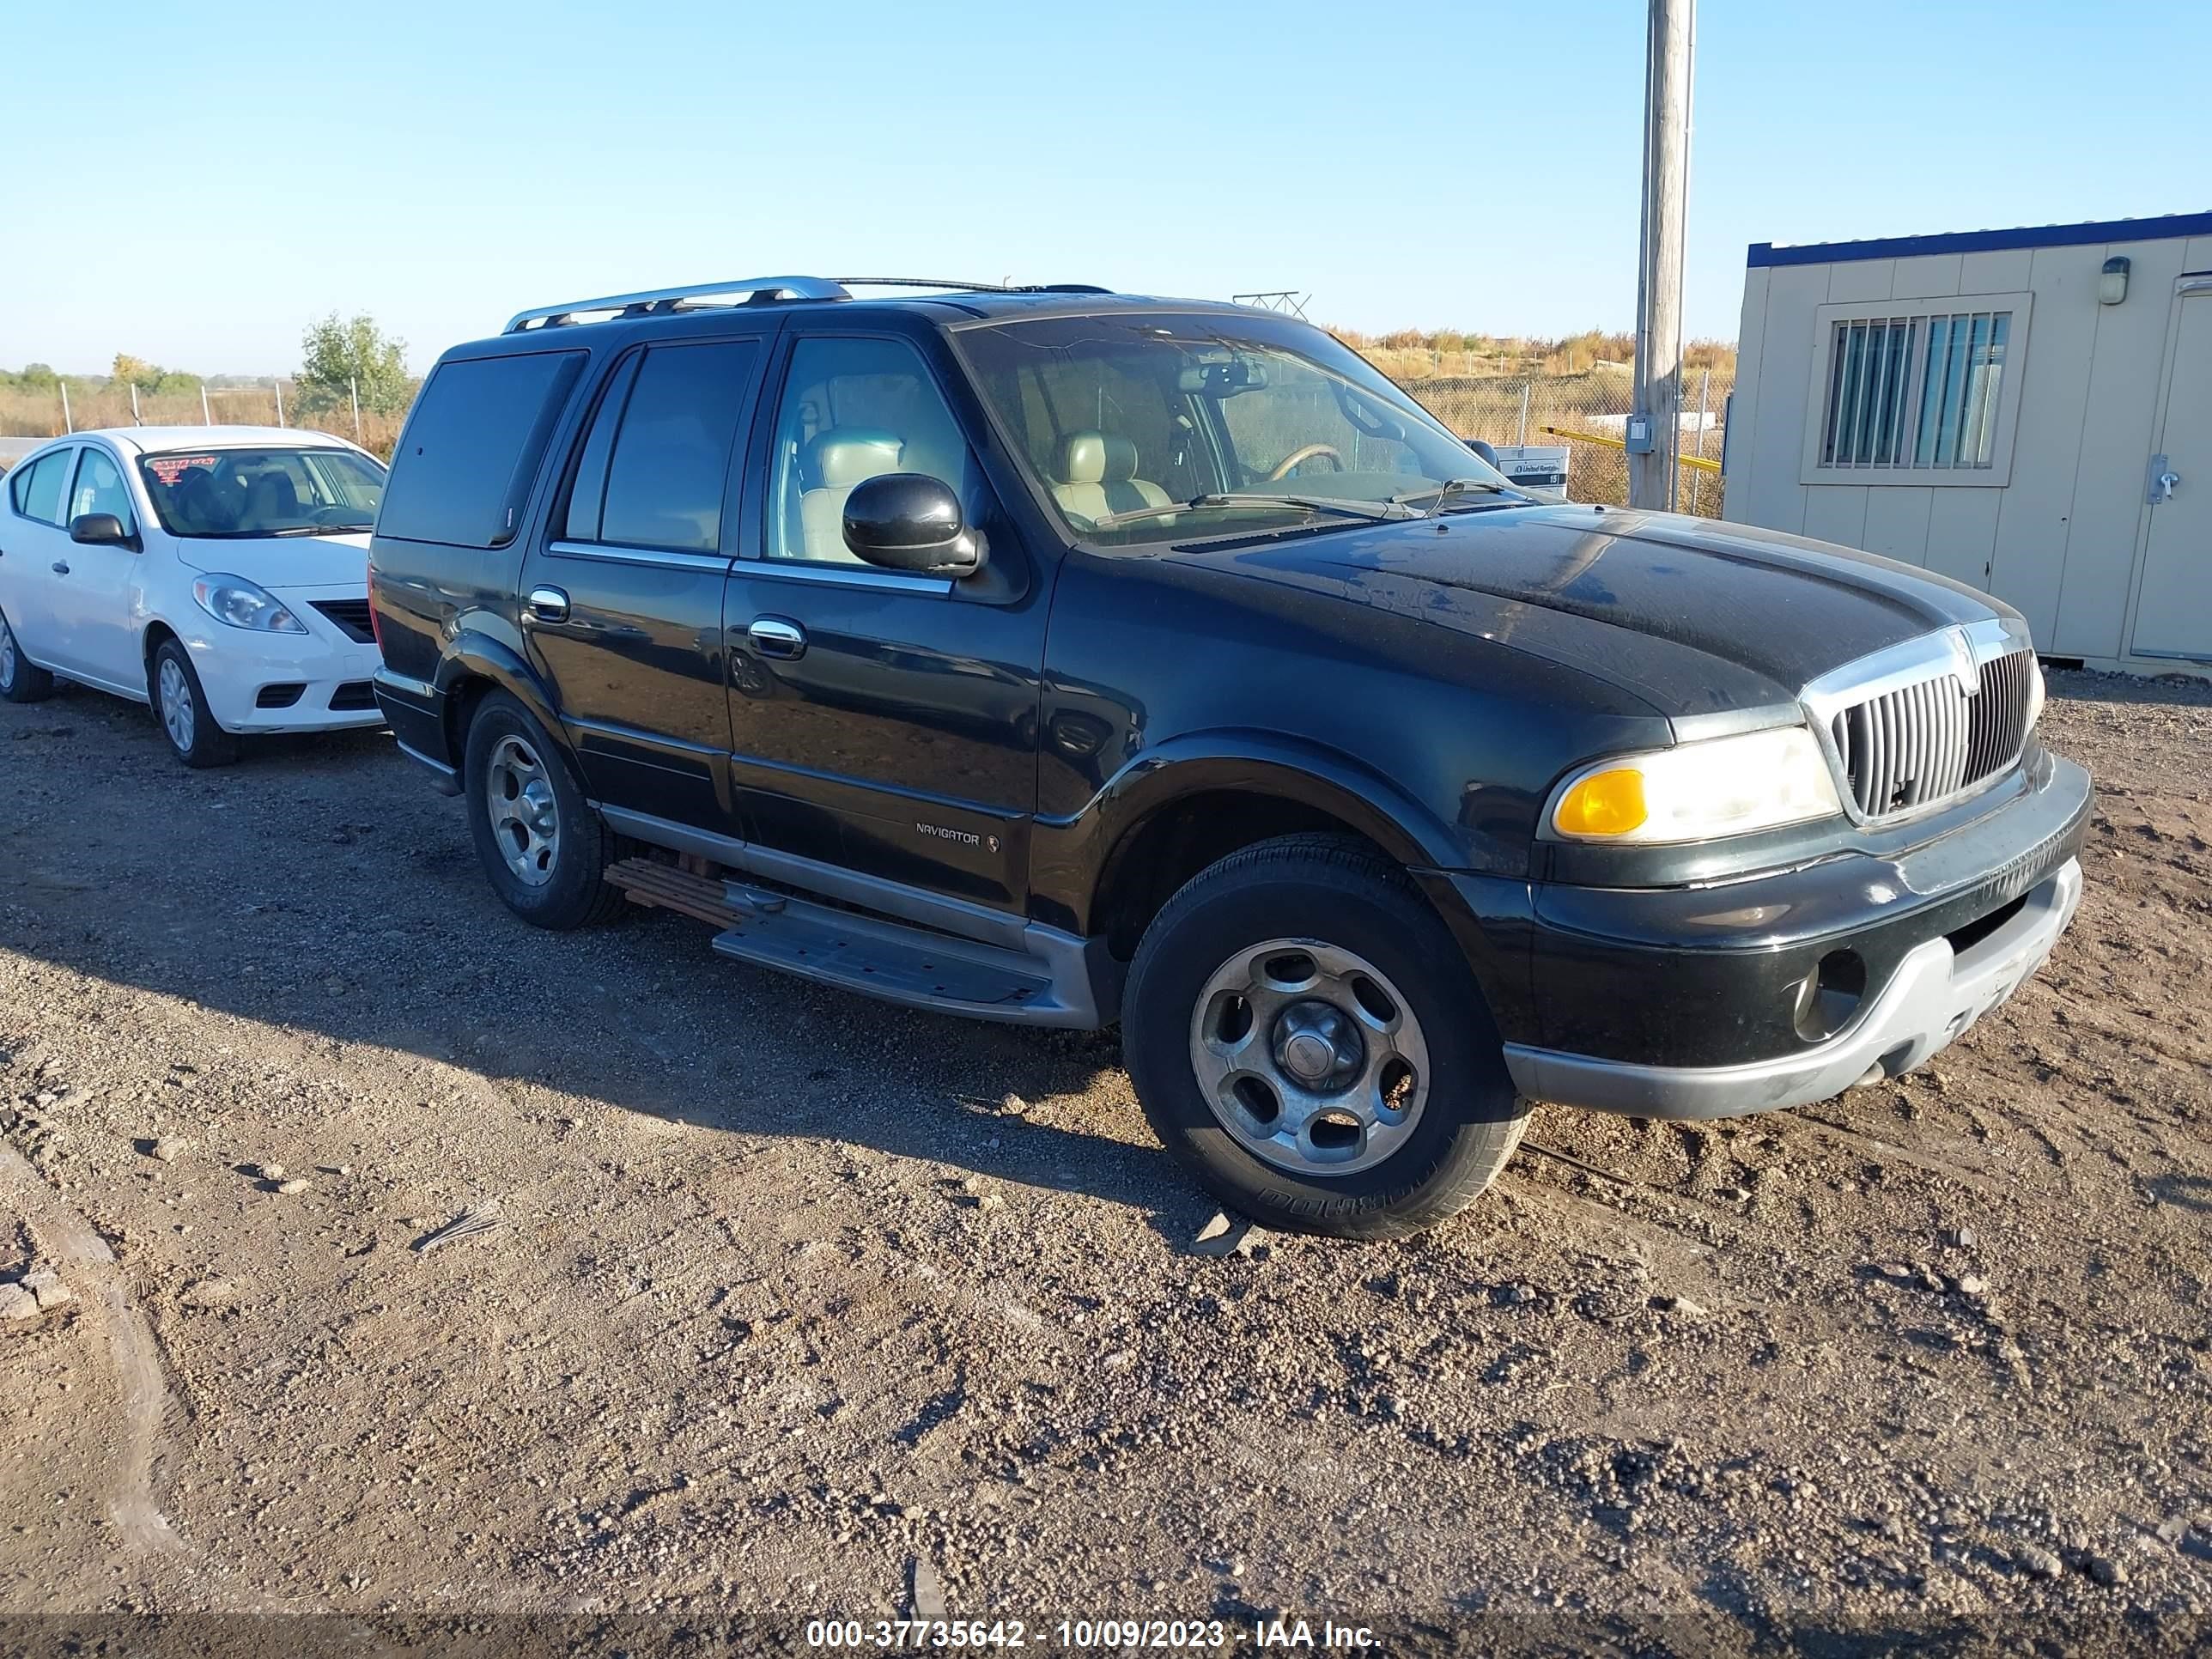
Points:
(621, 595)
(883, 722)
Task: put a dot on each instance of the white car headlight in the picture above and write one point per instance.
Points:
(2034, 694)
(1697, 791)
(237, 603)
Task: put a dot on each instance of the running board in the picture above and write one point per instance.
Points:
(893, 961)
(1060, 981)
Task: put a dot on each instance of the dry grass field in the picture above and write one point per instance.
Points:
(1473, 383)
(38, 413)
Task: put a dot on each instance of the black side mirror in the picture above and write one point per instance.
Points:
(911, 521)
(100, 530)
(1485, 451)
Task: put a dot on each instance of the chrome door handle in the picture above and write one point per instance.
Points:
(61, 568)
(773, 637)
(549, 604)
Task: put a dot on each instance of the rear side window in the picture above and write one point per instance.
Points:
(36, 489)
(656, 465)
(471, 448)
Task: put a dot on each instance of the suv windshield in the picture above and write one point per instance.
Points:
(1151, 427)
(231, 493)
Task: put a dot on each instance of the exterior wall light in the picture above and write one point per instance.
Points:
(2112, 281)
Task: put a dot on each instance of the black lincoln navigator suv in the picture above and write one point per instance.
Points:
(1060, 656)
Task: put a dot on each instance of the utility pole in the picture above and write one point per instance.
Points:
(1655, 453)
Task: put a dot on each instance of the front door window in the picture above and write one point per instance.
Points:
(853, 409)
(100, 488)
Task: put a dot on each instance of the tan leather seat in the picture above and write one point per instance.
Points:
(1096, 474)
(831, 465)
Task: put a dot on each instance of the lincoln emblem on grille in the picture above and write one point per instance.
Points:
(1962, 662)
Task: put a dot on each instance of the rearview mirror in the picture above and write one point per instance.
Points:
(911, 521)
(100, 530)
(1222, 379)
(1485, 451)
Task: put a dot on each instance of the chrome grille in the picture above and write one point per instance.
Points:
(1918, 743)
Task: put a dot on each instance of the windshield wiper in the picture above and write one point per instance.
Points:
(1449, 488)
(1343, 507)
(312, 530)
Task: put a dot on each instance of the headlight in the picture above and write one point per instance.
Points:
(1696, 791)
(2034, 695)
(237, 603)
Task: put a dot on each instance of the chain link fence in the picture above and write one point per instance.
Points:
(1588, 413)
(51, 411)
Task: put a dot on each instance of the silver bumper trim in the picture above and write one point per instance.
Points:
(1930, 1001)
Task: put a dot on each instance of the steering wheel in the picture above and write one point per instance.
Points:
(1297, 457)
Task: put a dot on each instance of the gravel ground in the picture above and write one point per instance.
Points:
(793, 1297)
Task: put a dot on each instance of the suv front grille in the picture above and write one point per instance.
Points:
(350, 615)
(1915, 745)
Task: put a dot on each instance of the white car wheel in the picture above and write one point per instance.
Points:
(176, 705)
(181, 706)
(22, 680)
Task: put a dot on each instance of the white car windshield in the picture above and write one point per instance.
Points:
(1150, 427)
(226, 493)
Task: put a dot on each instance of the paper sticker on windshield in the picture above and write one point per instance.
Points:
(169, 468)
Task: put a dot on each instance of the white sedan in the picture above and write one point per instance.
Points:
(220, 573)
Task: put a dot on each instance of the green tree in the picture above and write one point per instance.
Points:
(135, 371)
(38, 377)
(337, 355)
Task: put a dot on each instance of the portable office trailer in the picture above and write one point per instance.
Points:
(2027, 410)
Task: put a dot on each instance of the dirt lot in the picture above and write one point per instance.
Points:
(794, 1292)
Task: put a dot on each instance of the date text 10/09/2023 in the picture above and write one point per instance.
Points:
(1119, 1635)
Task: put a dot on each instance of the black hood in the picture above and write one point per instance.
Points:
(1694, 615)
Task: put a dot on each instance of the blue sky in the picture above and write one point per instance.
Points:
(216, 175)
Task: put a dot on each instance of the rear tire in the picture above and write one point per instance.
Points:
(542, 847)
(1353, 982)
(22, 680)
(181, 707)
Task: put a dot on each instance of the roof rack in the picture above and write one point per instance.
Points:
(759, 289)
(953, 285)
(667, 299)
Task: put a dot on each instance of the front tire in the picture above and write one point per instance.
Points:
(22, 680)
(181, 706)
(542, 847)
(1306, 1037)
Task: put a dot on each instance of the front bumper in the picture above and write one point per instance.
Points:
(1694, 1002)
(242, 671)
(1932, 999)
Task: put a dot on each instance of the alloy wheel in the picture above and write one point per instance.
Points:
(7, 657)
(1309, 1056)
(526, 816)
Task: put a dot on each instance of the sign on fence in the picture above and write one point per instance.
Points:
(1539, 469)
